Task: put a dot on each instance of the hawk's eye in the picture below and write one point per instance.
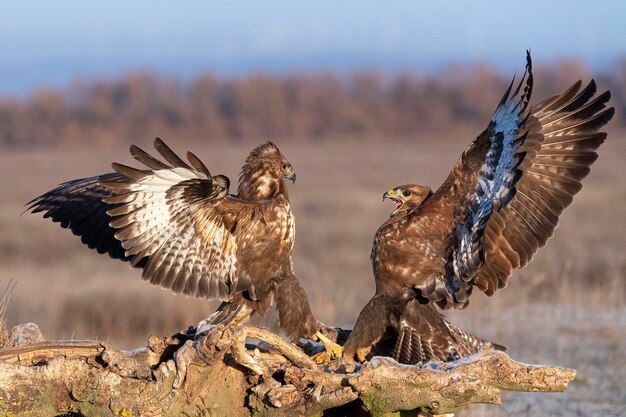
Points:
(285, 165)
(406, 193)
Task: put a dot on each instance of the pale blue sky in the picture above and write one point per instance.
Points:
(50, 43)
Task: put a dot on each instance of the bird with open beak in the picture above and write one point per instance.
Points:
(407, 197)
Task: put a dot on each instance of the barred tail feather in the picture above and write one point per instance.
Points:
(425, 335)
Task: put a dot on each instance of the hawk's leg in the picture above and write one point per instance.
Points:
(369, 329)
(331, 350)
(229, 313)
(296, 317)
(294, 313)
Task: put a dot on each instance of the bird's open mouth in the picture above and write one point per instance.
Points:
(397, 203)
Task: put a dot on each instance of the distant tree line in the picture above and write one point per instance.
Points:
(141, 106)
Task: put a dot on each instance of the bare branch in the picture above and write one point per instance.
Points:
(216, 373)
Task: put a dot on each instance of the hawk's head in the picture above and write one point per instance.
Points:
(407, 197)
(263, 173)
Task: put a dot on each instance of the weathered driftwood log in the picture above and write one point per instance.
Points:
(217, 374)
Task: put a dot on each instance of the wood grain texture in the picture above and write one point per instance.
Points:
(216, 374)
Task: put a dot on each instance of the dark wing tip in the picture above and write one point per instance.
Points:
(197, 163)
(607, 115)
(528, 76)
(592, 84)
(529, 66)
(147, 159)
(169, 155)
(528, 88)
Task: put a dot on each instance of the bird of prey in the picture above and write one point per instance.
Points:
(498, 206)
(180, 225)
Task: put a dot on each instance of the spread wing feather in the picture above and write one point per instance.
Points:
(171, 218)
(500, 203)
(561, 146)
(494, 188)
(498, 225)
(77, 205)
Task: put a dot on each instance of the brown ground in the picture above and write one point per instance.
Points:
(568, 307)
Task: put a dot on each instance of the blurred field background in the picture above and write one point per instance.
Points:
(568, 307)
(350, 135)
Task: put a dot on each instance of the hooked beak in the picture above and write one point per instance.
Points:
(292, 176)
(393, 196)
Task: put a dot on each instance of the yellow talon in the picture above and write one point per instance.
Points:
(361, 354)
(332, 348)
(322, 358)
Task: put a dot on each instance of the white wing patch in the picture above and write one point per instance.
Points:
(187, 246)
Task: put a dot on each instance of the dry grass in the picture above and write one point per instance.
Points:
(75, 293)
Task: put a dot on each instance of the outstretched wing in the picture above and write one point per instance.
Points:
(495, 184)
(172, 219)
(77, 205)
(560, 147)
(491, 238)
(481, 183)
(173, 216)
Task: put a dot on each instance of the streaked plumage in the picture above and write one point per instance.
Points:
(500, 203)
(180, 225)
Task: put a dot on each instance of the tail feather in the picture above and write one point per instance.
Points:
(423, 334)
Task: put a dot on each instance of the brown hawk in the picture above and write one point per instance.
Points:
(500, 203)
(180, 225)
